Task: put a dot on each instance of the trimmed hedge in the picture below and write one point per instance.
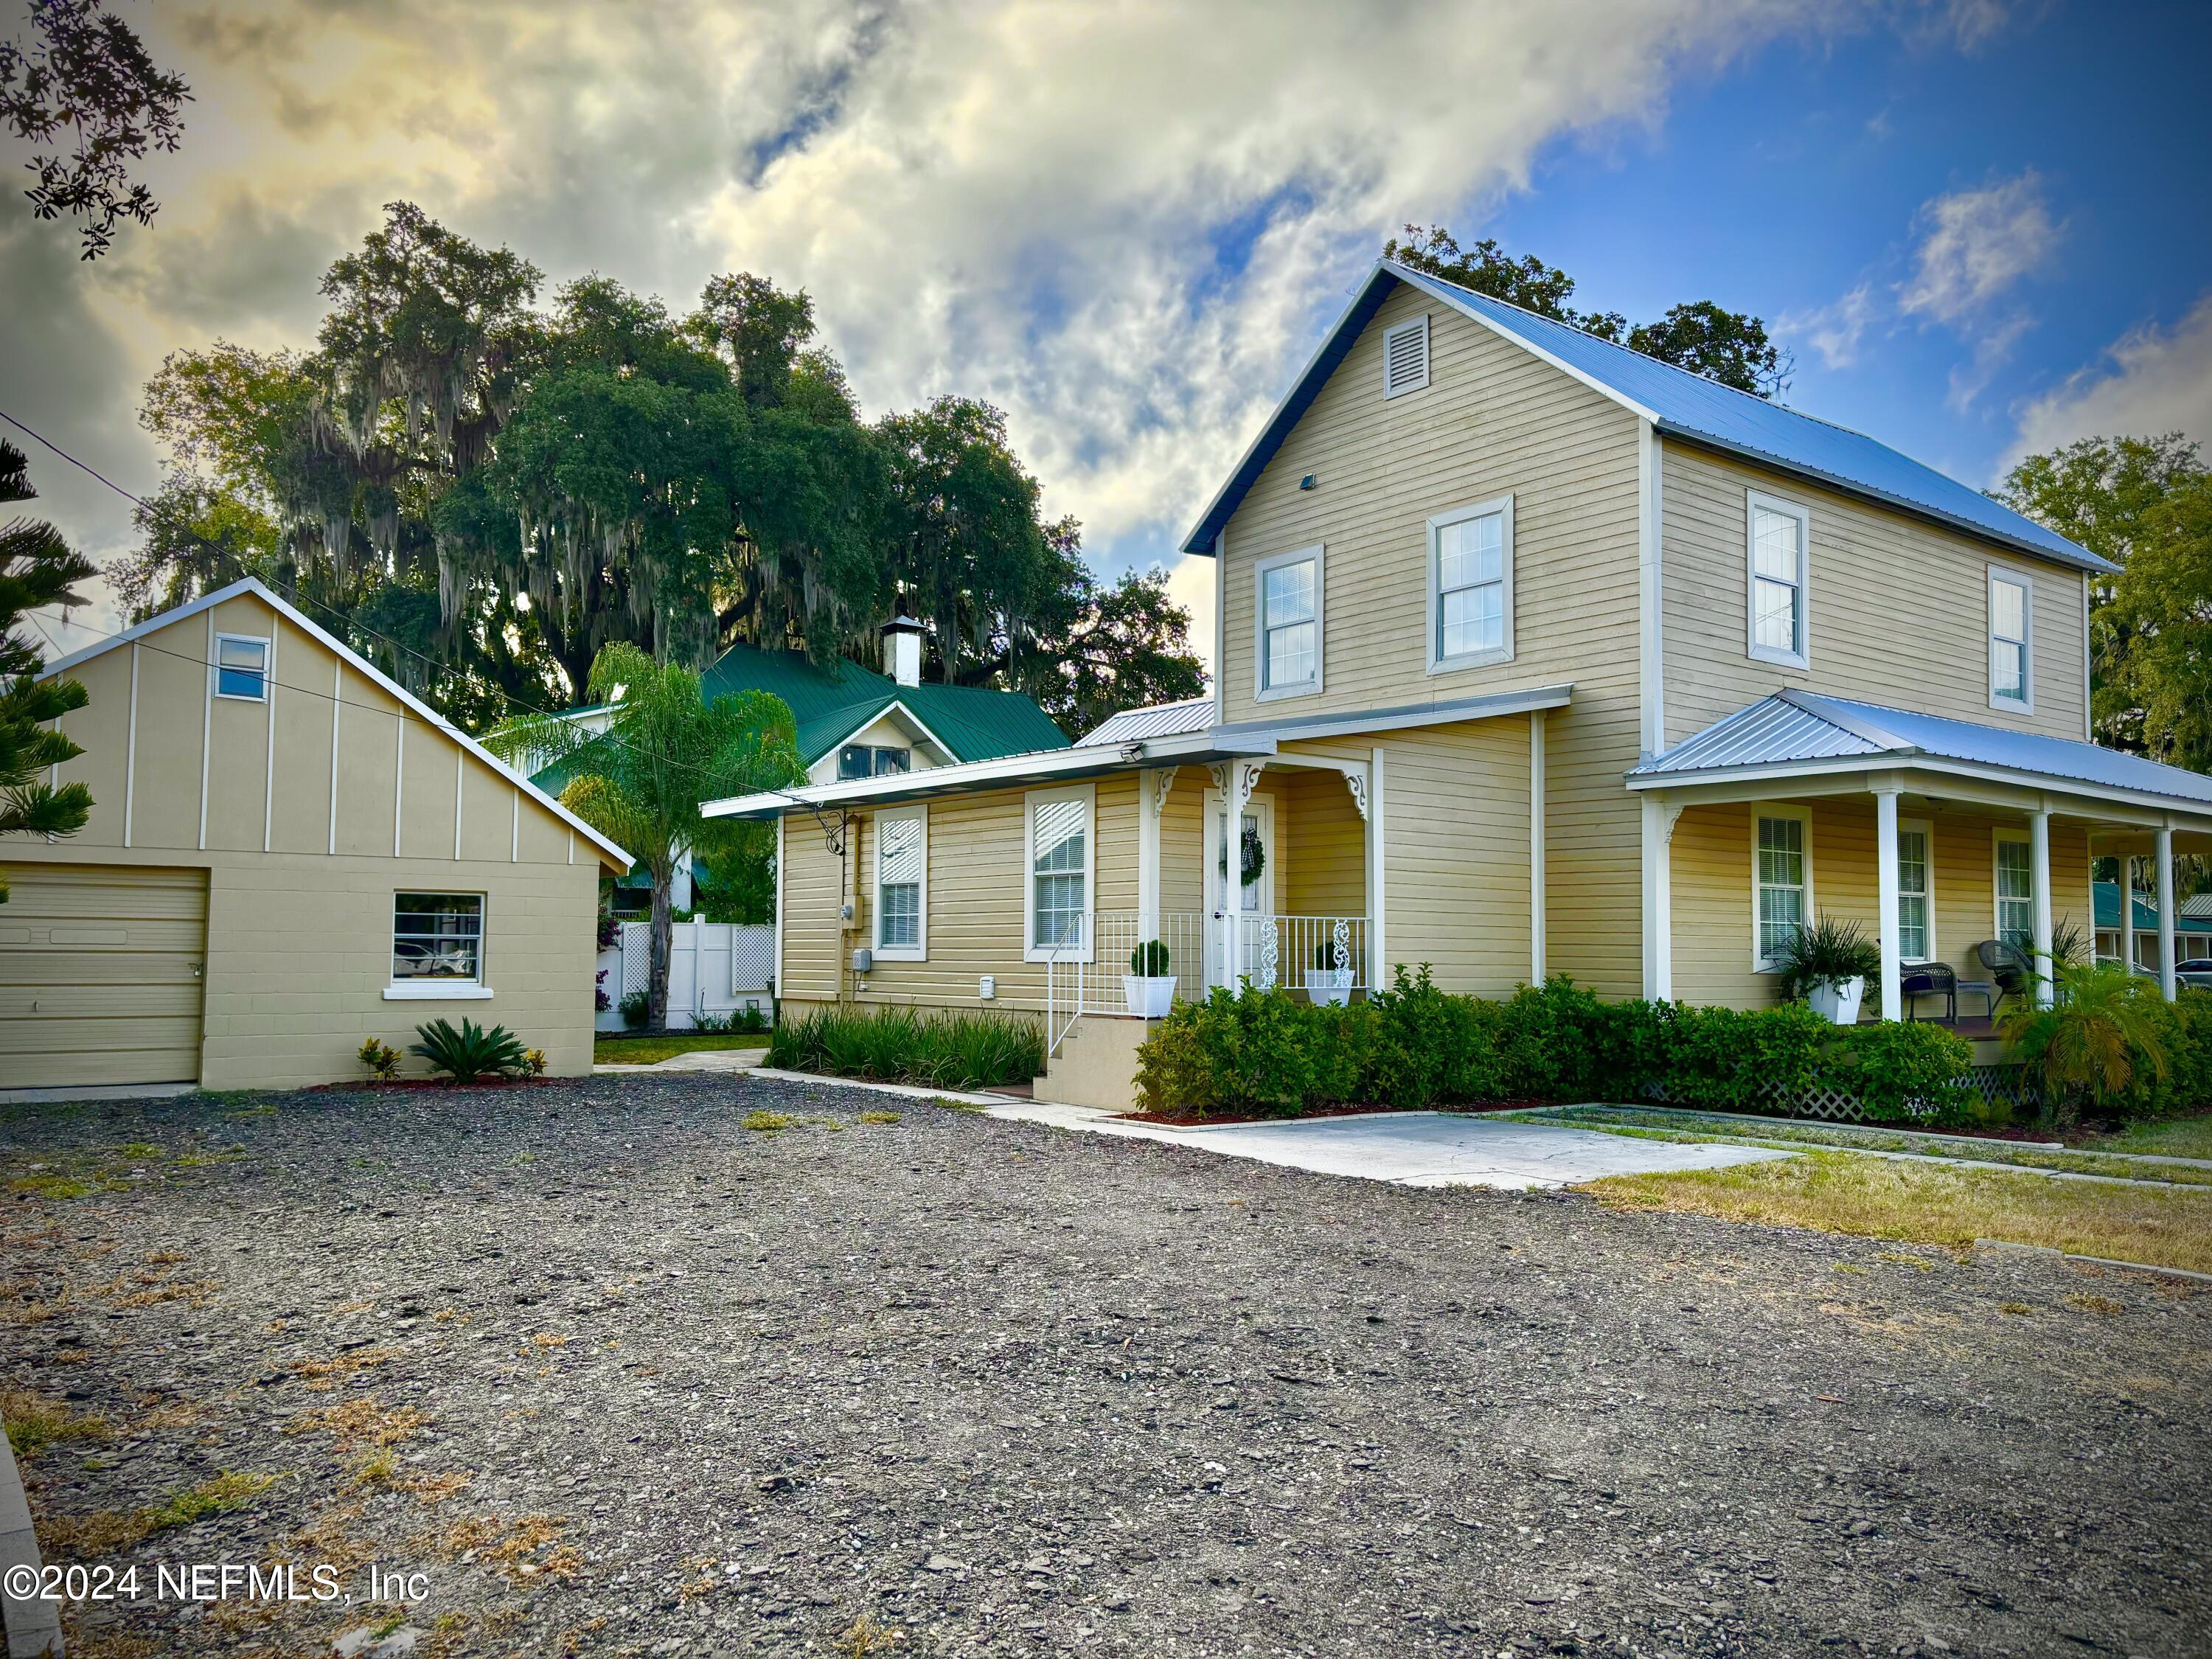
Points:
(1415, 1046)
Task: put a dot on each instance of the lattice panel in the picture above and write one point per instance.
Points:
(2009, 1083)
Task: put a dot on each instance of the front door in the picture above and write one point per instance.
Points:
(1254, 895)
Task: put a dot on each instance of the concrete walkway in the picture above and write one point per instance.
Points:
(705, 1059)
(1414, 1149)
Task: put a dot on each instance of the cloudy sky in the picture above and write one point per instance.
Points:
(1979, 224)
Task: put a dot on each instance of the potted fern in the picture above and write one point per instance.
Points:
(1827, 964)
(1329, 982)
(1148, 985)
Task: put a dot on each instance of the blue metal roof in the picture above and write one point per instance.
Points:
(1794, 726)
(1680, 404)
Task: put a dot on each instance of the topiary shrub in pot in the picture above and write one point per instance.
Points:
(1148, 985)
(1827, 963)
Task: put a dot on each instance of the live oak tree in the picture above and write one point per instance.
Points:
(486, 493)
(1731, 347)
(37, 568)
(664, 753)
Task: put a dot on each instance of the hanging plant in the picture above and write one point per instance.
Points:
(1252, 855)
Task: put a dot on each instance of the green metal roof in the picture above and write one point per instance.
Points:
(830, 702)
(2108, 914)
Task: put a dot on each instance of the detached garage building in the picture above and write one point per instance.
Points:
(287, 853)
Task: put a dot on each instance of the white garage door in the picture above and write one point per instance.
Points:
(100, 975)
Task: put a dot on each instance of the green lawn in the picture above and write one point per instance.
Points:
(651, 1050)
(2181, 1137)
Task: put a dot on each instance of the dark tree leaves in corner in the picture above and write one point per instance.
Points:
(82, 89)
(1730, 347)
(37, 568)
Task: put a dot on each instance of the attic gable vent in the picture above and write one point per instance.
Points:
(1405, 357)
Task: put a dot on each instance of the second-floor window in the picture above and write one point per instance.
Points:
(1778, 533)
(861, 760)
(1288, 614)
(2011, 609)
(1471, 586)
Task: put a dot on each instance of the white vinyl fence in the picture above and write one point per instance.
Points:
(714, 968)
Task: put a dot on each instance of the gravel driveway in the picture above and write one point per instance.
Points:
(622, 1376)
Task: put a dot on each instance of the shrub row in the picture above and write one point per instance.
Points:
(2184, 1030)
(895, 1045)
(1414, 1046)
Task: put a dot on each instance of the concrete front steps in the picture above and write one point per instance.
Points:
(1097, 1063)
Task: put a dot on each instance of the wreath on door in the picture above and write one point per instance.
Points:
(1252, 855)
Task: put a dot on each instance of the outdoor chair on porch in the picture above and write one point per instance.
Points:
(2011, 969)
(1938, 979)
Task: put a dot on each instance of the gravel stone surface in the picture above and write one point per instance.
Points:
(619, 1375)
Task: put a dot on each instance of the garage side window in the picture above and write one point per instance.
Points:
(437, 936)
(241, 667)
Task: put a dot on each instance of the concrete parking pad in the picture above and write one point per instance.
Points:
(1415, 1149)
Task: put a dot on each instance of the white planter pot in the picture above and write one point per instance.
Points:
(1838, 1001)
(1328, 987)
(1147, 996)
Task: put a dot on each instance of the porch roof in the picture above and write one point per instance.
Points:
(1802, 733)
(1167, 745)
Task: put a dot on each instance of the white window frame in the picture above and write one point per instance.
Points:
(1754, 502)
(1261, 691)
(215, 668)
(1998, 836)
(1417, 325)
(919, 950)
(440, 990)
(2025, 583)
(1926, 828)
(1760, 963)
(1438, 663)
(1088, 795)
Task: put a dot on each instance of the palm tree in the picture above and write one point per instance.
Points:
(664, 752)
(2101, 1026)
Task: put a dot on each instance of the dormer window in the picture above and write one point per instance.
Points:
(1405, 357)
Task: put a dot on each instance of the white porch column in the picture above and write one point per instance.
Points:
(2127, 910)
(2166, 981)
(1536, 846)
(1892, 927)
(2038, 858)
(1659, 817)
(1152, 801)
(1379, 960)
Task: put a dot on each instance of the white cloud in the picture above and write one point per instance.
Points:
(1979, 243)
(2150, 381)
(1833, 331)
(1122, 224)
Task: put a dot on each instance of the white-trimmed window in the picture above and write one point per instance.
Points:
(241, 667)
(2014, 880)
(1777, 535)
(1058, 856)
(1405, 356)
(437, 946)
(2011, 626)
(1781, 878)
(902, 885)
(1286, 619)
(1916, 889)
(1471, 586)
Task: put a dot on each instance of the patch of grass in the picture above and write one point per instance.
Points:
(35, 1422)
(320, 1374)
(2180, 1137)
(1786, 1136)
(975, 1108)
(651, 1050)
(1935, 1204)
(769, 1121)
(879, 1117)
(106, 1532)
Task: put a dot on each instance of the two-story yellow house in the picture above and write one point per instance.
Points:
(1536, 656)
